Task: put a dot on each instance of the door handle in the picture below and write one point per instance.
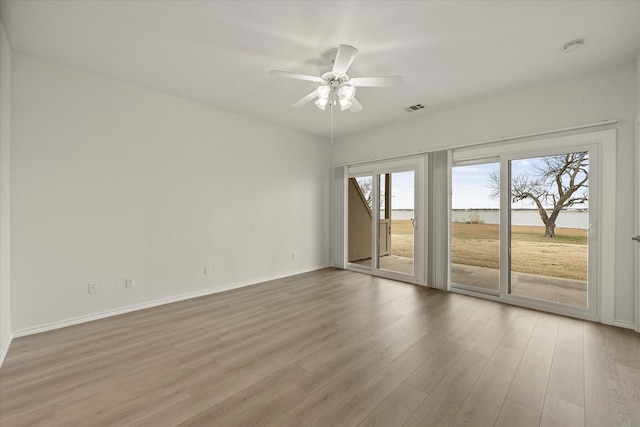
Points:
(637, 239)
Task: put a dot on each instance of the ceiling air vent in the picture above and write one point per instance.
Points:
(414, 108)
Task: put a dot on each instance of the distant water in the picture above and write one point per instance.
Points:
(566, 219)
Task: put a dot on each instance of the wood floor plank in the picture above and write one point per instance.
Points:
(337, 366)
(327, 398)
(329, 347)
(229, 410)
(371, 337)
(32, 415)
(438, 318)
(566, 379)
(212, 388)
(560, 413)
(594, 333)
(514, 414)
(432, 370)
(625, 345)
(358, 405)
(446, 398)
(529, 385)
(396, 409)
(360, 337)
(517, 336)
(630, 378)
(604, 389)
(269, 408)
(134, 408)
(61, 382)
(483, 403)
(487, 342)
(127, 385)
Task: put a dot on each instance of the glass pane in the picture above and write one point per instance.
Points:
(475, 228)
(396, 243)
(549, 224)
(360, 219)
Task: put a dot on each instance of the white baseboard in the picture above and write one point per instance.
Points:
(5, 349)
(624, 324)
(155, 303)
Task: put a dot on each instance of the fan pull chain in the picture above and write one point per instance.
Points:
(332, 122)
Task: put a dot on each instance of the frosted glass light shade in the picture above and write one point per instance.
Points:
(321, 103)
(323, 92)
(347, 91)
(344, 104)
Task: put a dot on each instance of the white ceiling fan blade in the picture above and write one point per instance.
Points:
(376, 81)
(295, 76)
(355, 106)
(306, 99)
(344, 57)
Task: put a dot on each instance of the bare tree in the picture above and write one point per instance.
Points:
(559, 183)
(366, 185)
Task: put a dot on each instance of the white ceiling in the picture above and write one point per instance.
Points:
(220, 53)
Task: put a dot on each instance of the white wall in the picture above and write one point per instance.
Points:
(582, 100)
(5, 156)
(638, 85)
(111, 180)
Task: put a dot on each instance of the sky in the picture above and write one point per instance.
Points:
(402, 184)
(470, 186)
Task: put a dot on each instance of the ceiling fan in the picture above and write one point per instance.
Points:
(336, 87)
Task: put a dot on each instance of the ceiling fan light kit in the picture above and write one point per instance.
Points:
(336, 88)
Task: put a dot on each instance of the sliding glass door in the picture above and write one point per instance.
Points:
(396, 250)
(522, 229)
(384, 215)
(475, 226)
(550, 219)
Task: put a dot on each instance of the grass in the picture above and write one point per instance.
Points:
(534, 234)
(565, 256)
(401, 238)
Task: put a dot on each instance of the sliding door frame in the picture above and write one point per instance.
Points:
(467, 286)
(602, 146)
(418, 165)
(591, 311)
(637, 229)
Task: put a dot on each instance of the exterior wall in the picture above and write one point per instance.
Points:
(359, 224)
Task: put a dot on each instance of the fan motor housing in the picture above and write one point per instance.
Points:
(333, 81)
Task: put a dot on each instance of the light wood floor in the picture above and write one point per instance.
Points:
(328, 348)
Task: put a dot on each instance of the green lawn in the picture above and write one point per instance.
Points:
(564, 256)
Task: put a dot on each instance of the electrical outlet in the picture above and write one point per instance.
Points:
(130, 282)
(93, 288)
(207, 270)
